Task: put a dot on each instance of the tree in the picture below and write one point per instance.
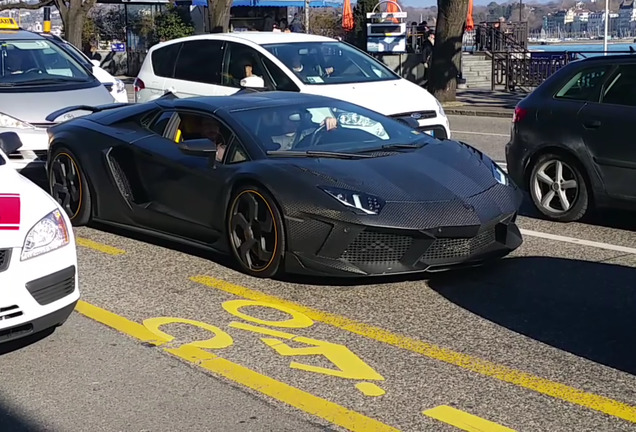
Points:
(72, 12)
(447, 51)
(219, 15)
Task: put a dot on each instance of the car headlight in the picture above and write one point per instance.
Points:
(13, 123)
(365, 203)
(119, 86)
(49, 234)
(441, 108)
(499, 175)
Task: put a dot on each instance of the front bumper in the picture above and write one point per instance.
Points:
(367, 251)
(37, 292)
(34, 150)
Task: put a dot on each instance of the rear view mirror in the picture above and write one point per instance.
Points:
(9, 142)
(95, 62)
(198, 147)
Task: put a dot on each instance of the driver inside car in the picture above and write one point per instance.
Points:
(286, 129)
(211, 130)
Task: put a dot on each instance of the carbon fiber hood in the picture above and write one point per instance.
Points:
(443, 171)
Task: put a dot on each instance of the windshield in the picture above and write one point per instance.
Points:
(334, 127)
(330, 63)
(37, 62)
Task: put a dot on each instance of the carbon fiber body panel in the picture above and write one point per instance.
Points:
(404, 210)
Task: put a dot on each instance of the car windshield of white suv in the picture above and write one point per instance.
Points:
(334, 127)
(37, 62)
(330, 63)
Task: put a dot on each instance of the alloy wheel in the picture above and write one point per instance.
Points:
(65, 183)
(253, 231)
(555, 186)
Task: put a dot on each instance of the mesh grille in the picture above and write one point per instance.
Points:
(373, 247)
(5, 257)
(457, 248)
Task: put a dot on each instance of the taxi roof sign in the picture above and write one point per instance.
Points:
(8, 24)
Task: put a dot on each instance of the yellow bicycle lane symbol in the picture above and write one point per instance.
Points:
(347, 364)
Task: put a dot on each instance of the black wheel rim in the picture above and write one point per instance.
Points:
(65, 184)
(253, 231)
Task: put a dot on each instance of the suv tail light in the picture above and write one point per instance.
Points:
(519, 114)
(138, 85)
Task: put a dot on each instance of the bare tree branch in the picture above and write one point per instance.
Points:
(32, 6)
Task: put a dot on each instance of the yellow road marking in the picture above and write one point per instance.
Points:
(463, 420)
(293, 396)
(100, 247)
(474, 364)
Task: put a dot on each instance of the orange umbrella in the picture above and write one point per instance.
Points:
(347, 16)
(470, 24)
(392, 7)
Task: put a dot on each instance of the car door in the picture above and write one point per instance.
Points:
(198, 69)
(606, 125)
(182, 190)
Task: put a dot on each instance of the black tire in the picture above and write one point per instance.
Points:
(547, 198)
(69, 187)
(255, 231)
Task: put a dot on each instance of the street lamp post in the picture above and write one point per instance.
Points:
(606, 26)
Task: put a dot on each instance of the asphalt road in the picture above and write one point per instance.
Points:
(540, 341)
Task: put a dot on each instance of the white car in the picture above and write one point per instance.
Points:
(215, 64)
(38, 259)
(115, 86)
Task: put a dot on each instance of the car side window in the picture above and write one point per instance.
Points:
(583, 84)
(236, 152)
(160, 123)
(200, 61)
(240, 62)
(163, 60)
(621, 88)
(281, 81)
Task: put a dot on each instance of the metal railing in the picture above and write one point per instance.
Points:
(526, 70)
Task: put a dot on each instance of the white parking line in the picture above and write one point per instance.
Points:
(599, 245)
(479, 133)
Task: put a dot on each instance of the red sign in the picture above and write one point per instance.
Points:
(9, 211)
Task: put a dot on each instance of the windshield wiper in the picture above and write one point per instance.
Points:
(313, 153)
(403, 146)
(48, 81)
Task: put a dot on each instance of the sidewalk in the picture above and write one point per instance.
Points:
(483, 102)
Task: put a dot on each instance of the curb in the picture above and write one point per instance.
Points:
(476, 112)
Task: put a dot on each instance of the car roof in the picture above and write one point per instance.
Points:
(242, 101)
(256, 37)
(612, 58)
(19, 35)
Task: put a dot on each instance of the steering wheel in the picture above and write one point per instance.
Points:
(314, 136)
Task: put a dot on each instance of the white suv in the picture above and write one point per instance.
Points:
(214, 64)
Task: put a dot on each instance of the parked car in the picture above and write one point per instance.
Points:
(37, 78)
(286, 182)
(38, 260)
(571, 143)
(214, 64)
(115, 86)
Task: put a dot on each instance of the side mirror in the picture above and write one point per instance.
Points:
(253, 82)
(410, 122)
(95, 63)
(198, 147)
(9, 142)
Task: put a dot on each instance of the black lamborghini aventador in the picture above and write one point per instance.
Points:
(305, 184)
